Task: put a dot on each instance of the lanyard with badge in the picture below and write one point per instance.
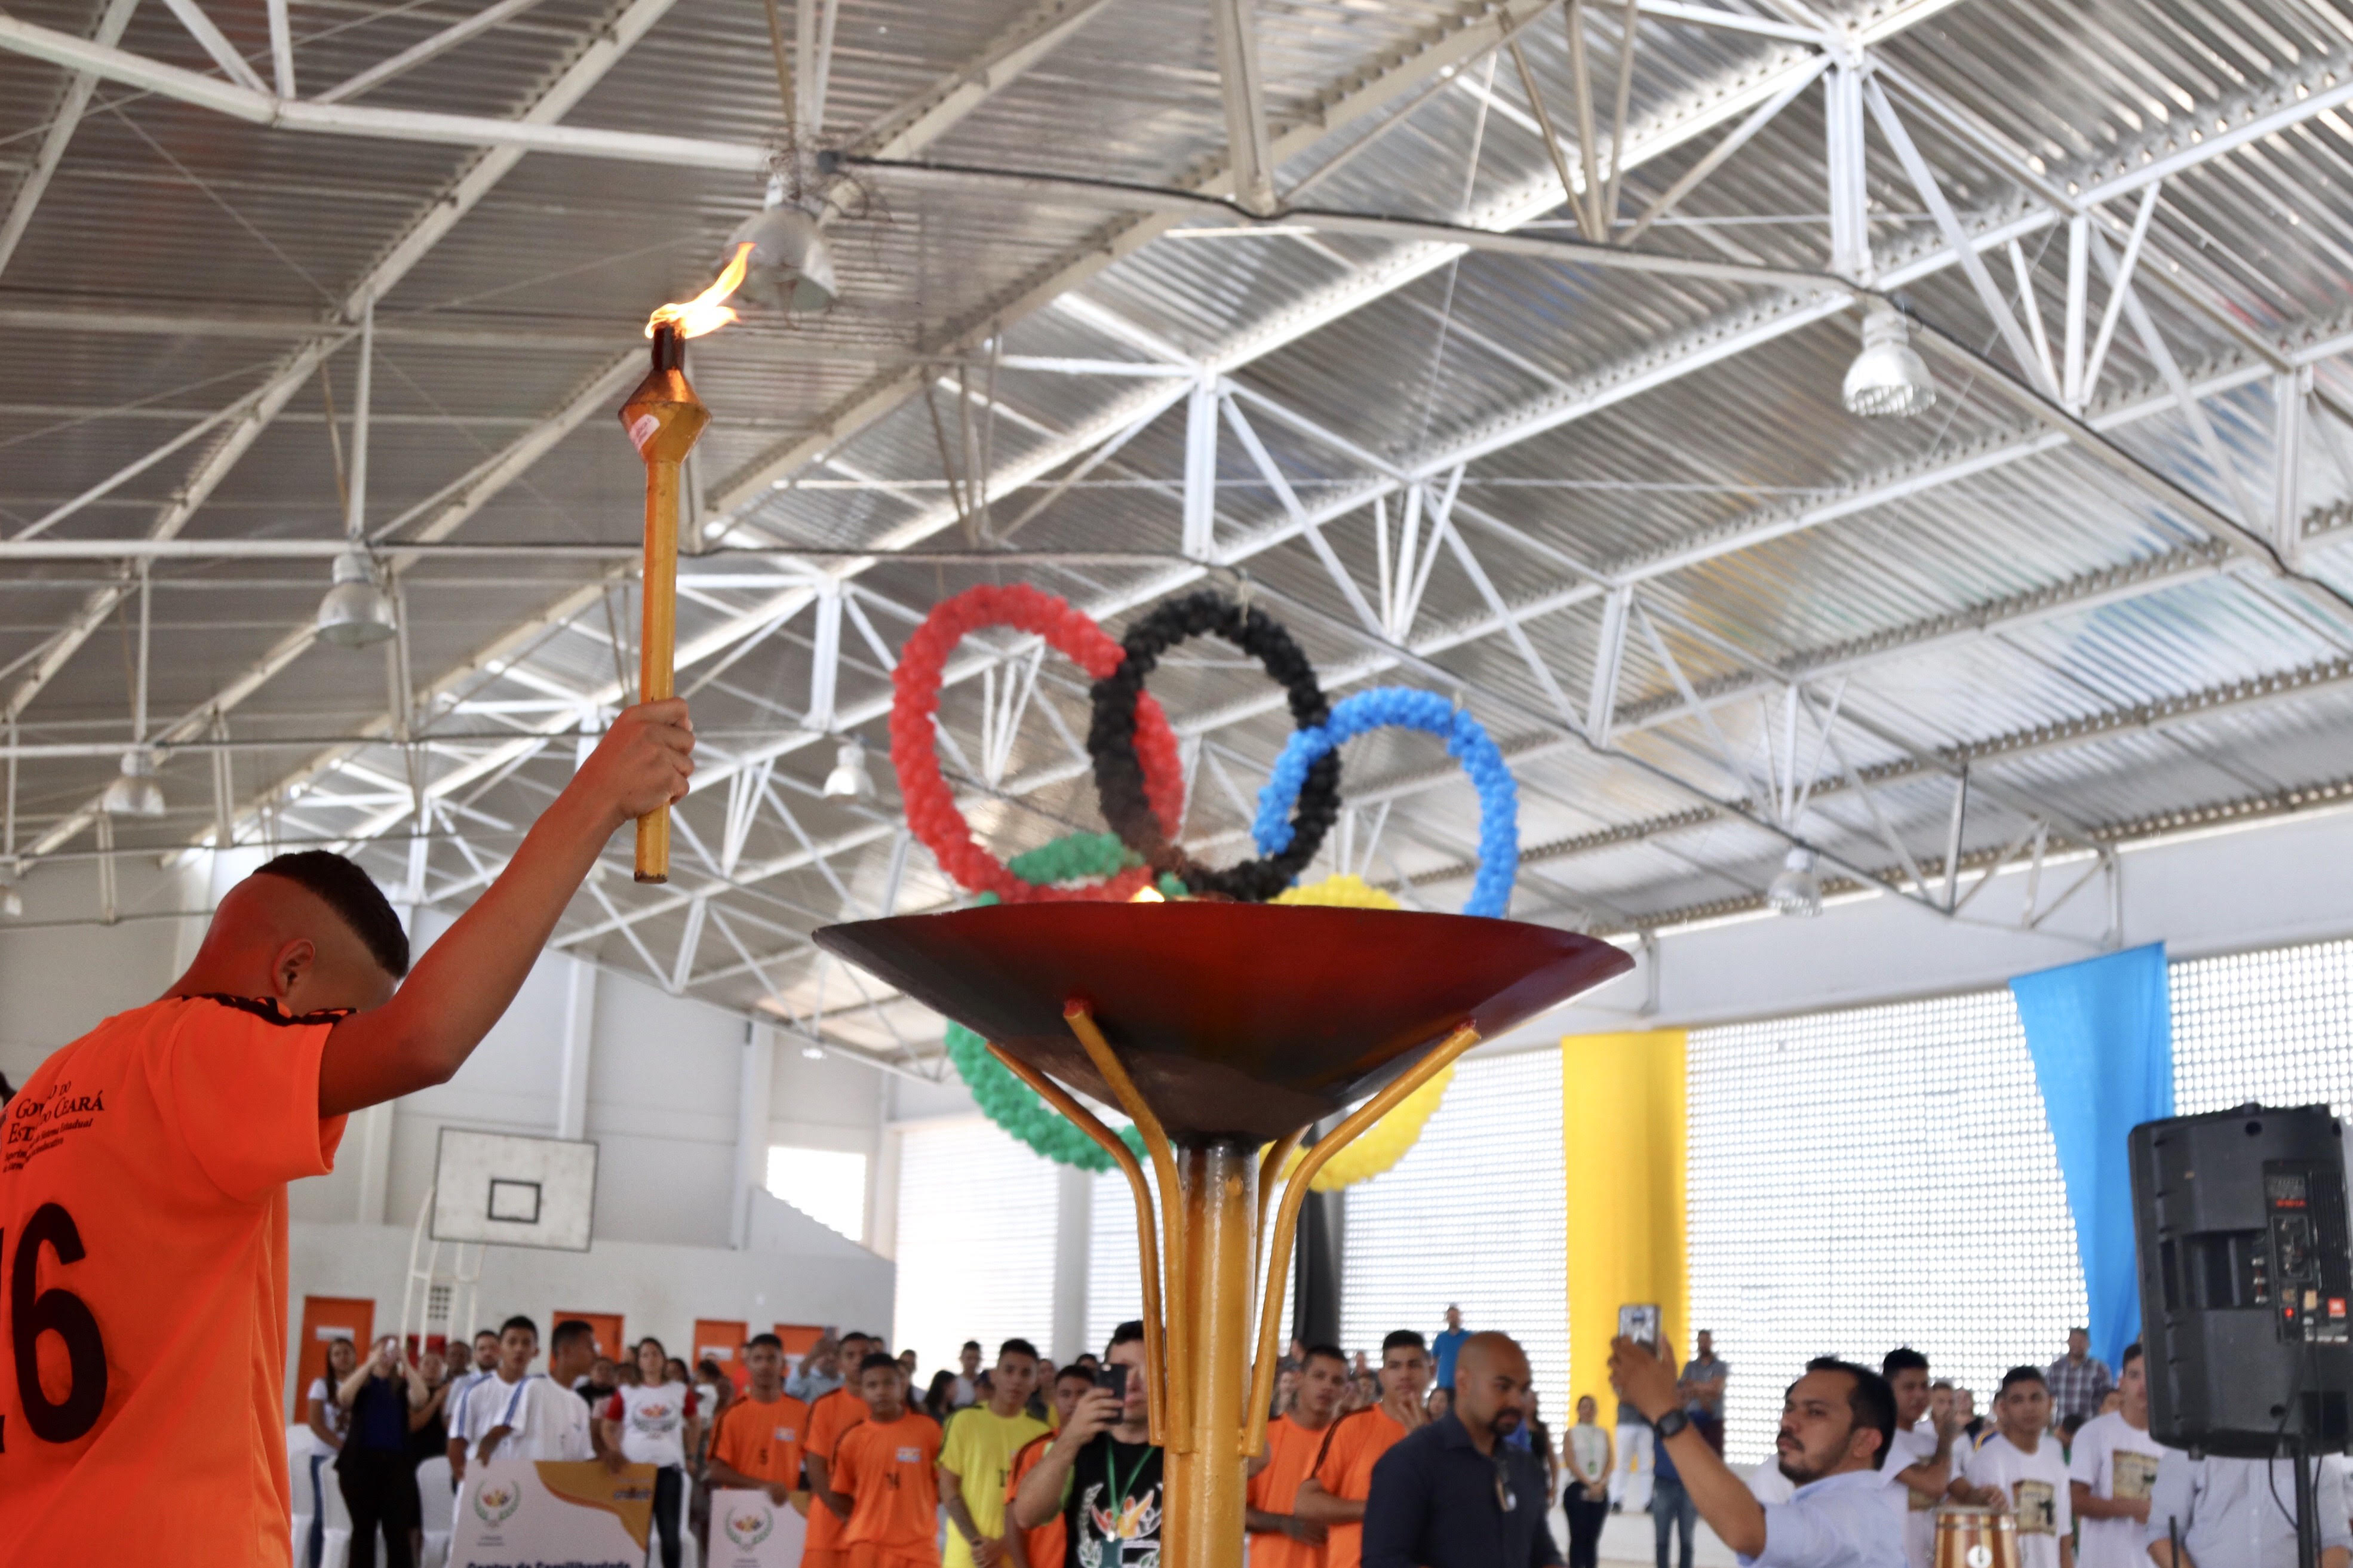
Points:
(1110, 1474)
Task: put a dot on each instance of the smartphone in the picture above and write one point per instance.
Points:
(1638, 1322)
(1114, 1377)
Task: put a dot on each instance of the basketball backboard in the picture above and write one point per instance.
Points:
(511, 1191)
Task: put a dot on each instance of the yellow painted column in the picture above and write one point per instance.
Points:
(1622, 1134)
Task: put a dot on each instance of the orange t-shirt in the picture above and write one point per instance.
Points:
(1344, 1466)
(1291, 1451)
(1043, 1546)
(142, 1211)
(764, 1441)
(831, 1416)
(887, 1469)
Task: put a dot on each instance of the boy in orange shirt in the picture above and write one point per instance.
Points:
(1278, 1538)
(144, 1172)
(756, 1444)
(831, 1414)
(884, 1468)
(1043, 1546)
(1333, 1495)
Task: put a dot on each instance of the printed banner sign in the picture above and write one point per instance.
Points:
(548, 1513)
(750, 1530)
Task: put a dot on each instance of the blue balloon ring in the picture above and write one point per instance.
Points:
(1403, 708)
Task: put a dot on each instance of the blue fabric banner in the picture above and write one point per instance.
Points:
(2100, 1034)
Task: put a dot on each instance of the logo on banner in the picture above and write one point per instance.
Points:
(749, 1526)
(494, 1505)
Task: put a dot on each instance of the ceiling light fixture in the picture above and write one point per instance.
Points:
(1888, 379)
(1796, 890)
(356, 612)
(12, 902)
(791, 266)
(135, 792)
(850, 780)
(813, 1053)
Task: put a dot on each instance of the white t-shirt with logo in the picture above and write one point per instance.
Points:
(2115, 1459)
(1908, 1447)
(653, 1422)
(492, 1402)
(2036, 1486)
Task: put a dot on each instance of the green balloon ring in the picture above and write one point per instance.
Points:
(1003, 1099)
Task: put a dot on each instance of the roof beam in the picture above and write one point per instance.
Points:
(75, 102)
(599, 54)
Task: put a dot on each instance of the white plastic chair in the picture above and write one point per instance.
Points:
(335, 1540)
(433, 1494)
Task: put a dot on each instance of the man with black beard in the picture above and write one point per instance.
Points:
(1836, 1421)
(1455, 1493)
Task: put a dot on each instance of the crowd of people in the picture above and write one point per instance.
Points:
(1431, 1456)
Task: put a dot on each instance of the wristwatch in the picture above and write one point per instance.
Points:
(1673, 1422)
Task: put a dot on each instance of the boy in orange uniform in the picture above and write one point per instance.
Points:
(1333, 1495)
(144, 1172)
(884, 1466)
(756, 1444)
(1042, 1547)
(831, 1414)
(1278, 1538)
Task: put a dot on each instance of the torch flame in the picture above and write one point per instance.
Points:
(706, 312)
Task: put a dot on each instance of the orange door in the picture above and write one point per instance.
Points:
(607, 1324)
(324, 1319)
(723, 1342)
(799, 1340)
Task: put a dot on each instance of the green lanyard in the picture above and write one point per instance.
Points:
(1111, 1473)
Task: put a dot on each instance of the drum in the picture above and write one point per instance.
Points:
(1969, 1537)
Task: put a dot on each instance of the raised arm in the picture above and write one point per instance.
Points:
(465, 980)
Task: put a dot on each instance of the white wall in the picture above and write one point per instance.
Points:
(2265, 884)
(795, 1271)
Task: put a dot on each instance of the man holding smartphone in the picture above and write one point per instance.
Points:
(1102, 1474)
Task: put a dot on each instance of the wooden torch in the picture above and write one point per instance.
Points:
(664, 418)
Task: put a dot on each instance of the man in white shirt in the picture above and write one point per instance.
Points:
(2113, 1468)
(2020, 1469)
(1835, 1423)
(968, 1382)
(484, 1364)
(2228, 1514)
(494, 1400)
(1919, 1456)
(545, 1419)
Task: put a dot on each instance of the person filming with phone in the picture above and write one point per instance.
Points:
(1102, 1473)
(1836, 1422)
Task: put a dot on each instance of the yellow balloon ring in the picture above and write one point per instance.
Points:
(1384, 1143)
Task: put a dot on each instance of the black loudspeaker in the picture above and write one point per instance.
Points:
(2246, 1279)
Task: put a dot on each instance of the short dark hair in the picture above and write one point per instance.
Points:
(354, 898)
(1017, 1347)
(2072, 1423)
(1331, 1353)
(763, 1342)
(972, 1344)
(1127, 1333)
(519, 1321)
(2132, 1354)
(1074, 1370)
(1902, 1358)
(568, 1331)
(1944, 1383)
(1403, 1339)
(2023, 1374)
(491, 1334)
(878, 1359)
(1870, 1401)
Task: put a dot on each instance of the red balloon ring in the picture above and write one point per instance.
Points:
(932, 812)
